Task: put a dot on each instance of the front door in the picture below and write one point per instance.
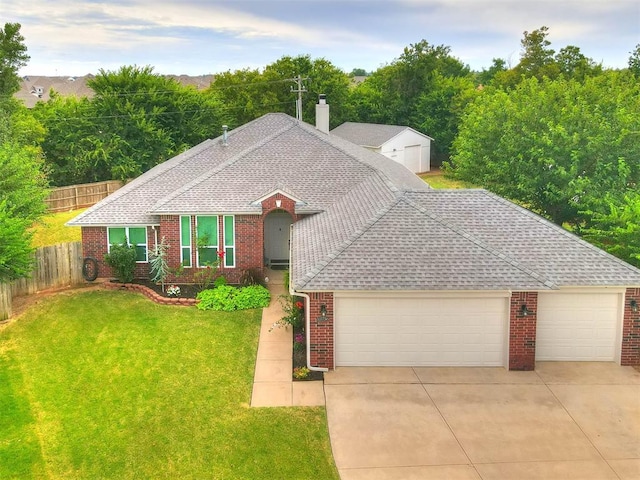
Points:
(276, 238)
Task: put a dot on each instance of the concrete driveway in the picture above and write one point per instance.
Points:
(563, 421)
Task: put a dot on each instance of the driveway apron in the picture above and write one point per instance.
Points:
(566, 420)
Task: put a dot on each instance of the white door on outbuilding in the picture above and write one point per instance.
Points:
(412, 158)
(578, 326)
(401, 330)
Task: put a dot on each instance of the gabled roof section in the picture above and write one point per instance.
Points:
(273, 152)
(371, 135)
(447, 240)
(404, 247)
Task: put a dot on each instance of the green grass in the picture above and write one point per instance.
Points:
(104, 384)
(51, 229)
(439, 180)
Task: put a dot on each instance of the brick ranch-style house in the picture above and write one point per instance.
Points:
(392, 272)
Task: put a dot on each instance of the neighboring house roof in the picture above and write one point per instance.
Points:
(77, 86)
(376, 225)
(371, 135)
(274, 152)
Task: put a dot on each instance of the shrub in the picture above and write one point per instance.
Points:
(221, 298)
(122, 258)
(219, 281)
(253, 296)
(301, 373)
(228, 298)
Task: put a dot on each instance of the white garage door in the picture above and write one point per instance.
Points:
(577, 326)
(392, 331)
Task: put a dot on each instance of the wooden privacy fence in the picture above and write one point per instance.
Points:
(80, 196)
(55, 266)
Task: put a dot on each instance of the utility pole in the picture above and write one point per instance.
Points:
(300, 89)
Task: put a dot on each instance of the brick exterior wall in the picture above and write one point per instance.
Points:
(522, 331)
(321, 332)
(94, 245)
(630, 350)
(249, 243)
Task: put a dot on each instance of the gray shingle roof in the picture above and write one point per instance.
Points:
(368, 134)
(273, 152)
(449, 240)
(379, 226)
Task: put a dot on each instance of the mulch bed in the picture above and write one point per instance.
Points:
(187, 290)
(300, 360)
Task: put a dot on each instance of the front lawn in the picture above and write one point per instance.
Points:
(101, 384)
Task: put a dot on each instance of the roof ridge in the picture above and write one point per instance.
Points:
(145, 178)
(220, 167)
(559, 229)
(493, 251)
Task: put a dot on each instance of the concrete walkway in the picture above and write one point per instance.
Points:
(272, 382)
(563, 421)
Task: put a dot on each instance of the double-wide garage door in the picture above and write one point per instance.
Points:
(398, 331)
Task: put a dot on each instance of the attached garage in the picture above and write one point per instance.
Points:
(395, 329)
(578, 326)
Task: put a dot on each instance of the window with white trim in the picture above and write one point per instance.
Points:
(229, 241)
(135, 237)
(207, 239)
(185, 240)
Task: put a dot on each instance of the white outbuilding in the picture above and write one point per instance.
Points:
(399, 143)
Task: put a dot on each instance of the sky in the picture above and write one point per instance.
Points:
(197, 37)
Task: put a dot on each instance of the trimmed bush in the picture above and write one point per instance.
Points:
(122, 258)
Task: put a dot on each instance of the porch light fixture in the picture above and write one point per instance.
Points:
(633, 303)
(323, 313)
(524, 311)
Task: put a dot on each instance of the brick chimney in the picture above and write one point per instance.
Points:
(322, 114)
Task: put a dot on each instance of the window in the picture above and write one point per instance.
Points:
(134, 236)
(229, 242)
(185, 240)
(207, 239)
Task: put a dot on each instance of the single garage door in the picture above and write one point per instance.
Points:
(577, 326)
(410, 331)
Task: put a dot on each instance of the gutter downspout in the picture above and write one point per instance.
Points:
(307, 312)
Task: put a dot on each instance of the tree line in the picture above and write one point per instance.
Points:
(557, 132)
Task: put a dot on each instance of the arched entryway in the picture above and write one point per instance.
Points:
(276, 238)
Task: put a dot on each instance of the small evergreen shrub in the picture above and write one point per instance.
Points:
(219, 281)
(122, 258)
(227, 298)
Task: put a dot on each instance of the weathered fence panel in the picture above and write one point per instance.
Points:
(55, 266)
(5, 301)
(80, 196)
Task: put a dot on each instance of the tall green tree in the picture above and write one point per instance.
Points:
(248, 94)
(420, 89)
(13, 55)
(613, 223)
(136, 120)
(22, 194)
(554, 145)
